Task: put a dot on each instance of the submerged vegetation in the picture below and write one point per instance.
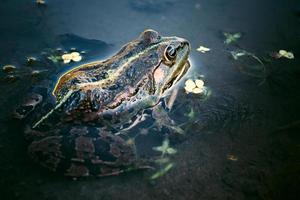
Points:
(231, 37)
(164, 161)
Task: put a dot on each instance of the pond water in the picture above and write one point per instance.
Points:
(241, 135)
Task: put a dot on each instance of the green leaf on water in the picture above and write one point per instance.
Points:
(162, 160)
(165, 148)
(231, 37)
(191, 114)
(177, 129)
(162, 172)
(54, 59)
(171, 150)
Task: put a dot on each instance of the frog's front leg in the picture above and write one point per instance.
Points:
(162, 119)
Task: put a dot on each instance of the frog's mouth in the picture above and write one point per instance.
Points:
(178, 74)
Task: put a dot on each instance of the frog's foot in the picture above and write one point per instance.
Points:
(83, 153)
(138, 119)
(162, 119)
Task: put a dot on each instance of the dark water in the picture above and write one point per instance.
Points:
(243, 142)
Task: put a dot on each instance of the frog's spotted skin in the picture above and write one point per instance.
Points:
(93, 99)
(90, 151)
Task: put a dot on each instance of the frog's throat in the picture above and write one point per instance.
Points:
(178, 76)
(52, 110)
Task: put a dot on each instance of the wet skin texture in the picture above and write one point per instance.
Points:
(94, 100)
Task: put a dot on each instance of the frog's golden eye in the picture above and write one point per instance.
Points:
(170, 53)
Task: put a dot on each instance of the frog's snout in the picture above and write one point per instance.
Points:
(183, 43)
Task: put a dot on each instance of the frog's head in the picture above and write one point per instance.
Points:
(163, 59)
(173, 64)
(150, 64)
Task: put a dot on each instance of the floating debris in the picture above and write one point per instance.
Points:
(284, 54)
(40, 2)
(194, 86)
(232, 157)
(203, 49)
(8, 68)
(37, 72)
(144, 131)
(231, 37)
(12, 78)
(74, 56)
(31, 60)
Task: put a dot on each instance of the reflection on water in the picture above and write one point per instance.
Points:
(240, 135)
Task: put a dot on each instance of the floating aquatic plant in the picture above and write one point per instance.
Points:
(283, 54)
(57, 55)
(165, 148)
(54, 58)
(163, 161)
(237, 54)
(240, 53)
(203, 49)
(194, 86)
(231, 37)
(257, 70)
(74, 56)
(162, 171)
(191, 114)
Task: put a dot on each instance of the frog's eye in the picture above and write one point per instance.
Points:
(170, 53)
(150, 36)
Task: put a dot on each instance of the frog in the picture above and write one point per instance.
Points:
(80, 135)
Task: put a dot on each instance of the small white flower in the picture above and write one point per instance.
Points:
(203, 49)
(286, 54)
(196, 87)
(74, 56)
(199, 83)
